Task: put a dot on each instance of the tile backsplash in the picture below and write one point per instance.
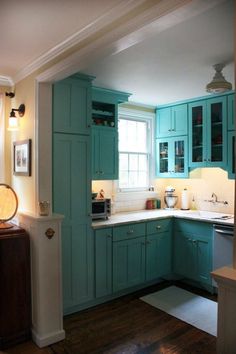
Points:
(200, 185)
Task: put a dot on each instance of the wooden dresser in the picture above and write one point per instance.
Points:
(15, 291)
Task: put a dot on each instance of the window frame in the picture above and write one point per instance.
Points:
(149, 118)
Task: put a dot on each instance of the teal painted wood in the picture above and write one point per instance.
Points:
(217, 152)
(72, 106)
(172, 121)
(103, 262)
(163, 122)
(173, 161)
(231, 155)
(128, 263)
(129, 231)
(193, 250)
(208, 133)
(71, 197)
(105, 154)
(100, 94)
(197, 134)
(231, 111)
(158, 255)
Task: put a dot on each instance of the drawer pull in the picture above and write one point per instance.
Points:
(158, 227)
(130, 232)
(49, 233)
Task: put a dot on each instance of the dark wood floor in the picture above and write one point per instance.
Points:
(129, 326)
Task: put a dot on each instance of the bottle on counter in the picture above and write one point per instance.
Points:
(184, 199)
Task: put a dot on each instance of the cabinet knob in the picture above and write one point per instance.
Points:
(194, 242)
(101, 172)
(169, 130)
(97, 172)
(49, 233)
(208, 159)
(89, 126)
(158, 227)
(130, 232)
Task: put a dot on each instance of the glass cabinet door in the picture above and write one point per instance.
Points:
(179, 156)
(231, 155)
(216, 109)
(197, 153)
(164, 157)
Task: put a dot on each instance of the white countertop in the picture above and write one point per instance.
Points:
(145, 215)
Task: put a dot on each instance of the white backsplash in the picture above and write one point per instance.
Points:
(201, 184)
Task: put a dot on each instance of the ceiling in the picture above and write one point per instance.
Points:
(175, 64)
(168, 65)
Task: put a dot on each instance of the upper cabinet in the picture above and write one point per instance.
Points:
(105, 132)
(231, 111)
(208, 133)
(72, 105)
(172, 121)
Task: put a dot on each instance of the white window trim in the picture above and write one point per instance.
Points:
(129, 113)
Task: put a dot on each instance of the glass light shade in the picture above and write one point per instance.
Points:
(13, 124)
(8, 205)
(218, 83)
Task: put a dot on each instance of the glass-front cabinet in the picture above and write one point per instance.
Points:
(208, 133)
(231, 155)
(172, 157)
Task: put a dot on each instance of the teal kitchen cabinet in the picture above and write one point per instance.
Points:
(158, 248)
(72, 105)
(104, 154)
(208, 133)
(128, 256)
(231, 111)
(105, 106)
(231, 155)
(72, 198)
(193, 250)
(172, 121)
(103, 262)
(172, 157)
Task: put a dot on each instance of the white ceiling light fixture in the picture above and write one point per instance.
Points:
(218, 83)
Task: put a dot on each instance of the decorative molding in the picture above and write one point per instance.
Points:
(6, 81)
(107, 18)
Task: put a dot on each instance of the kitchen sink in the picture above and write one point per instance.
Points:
(208, 214)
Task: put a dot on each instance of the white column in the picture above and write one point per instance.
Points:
(46, 283)
(226, 338)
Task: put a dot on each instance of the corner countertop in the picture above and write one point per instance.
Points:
(147, 215)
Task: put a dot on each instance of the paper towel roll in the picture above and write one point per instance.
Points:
(184, 199)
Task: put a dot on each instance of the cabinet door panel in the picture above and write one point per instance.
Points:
(216, 128)
(103, 262)
(95, 155)
(108, 155)
(71, 197)
(231, 111)
(72, 106)
(197, 134)
(204, 259)
(231, 155)
(179, 121)
(158, 255)
(128, 263)
(163, 122)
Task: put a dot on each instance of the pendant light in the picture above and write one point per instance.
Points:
(218, 83)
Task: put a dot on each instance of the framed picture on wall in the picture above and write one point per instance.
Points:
(22, 158)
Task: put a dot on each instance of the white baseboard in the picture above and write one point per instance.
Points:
(43, 341)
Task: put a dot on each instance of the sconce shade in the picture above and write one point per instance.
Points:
(8, 205)
(218, 83)
(13, 122)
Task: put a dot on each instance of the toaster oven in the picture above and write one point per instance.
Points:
(101, 208)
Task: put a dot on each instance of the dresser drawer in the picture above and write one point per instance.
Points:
(128, 231)
(160, 225)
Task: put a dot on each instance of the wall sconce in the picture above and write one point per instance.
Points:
(13, 123)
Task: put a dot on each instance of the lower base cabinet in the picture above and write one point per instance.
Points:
(193, 250)
(103, 262)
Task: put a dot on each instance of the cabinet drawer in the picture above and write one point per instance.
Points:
(128, 231)
(160, 225)
(197, 228)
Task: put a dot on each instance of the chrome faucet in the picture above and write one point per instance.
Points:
(214, 200)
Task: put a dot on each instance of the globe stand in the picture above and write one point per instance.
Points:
(5, 225)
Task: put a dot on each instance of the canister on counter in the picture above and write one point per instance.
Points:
(149, 204)
(158, 204)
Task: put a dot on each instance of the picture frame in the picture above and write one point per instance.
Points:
(22, 158)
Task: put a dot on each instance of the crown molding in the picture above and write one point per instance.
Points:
(6, 81)
(107, 18)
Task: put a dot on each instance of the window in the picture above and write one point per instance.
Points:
(134, 152)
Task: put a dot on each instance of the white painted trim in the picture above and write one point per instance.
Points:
(44, 341)
(6, 81)
(107, 18)
(129, 112)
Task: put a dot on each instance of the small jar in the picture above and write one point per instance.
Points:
(149, 204)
